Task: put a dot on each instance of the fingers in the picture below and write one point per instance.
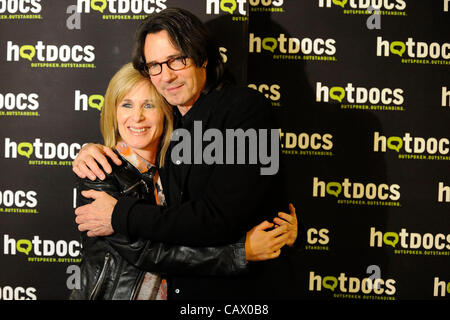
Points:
(288, 217)
(92, 194)
(95, 158)
(277, 231)
(85, 164)
(110, 153)
(279, 242)
(291, 209)
(264, 225)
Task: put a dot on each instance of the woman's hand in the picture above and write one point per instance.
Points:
(290, 221)
(263, 245)
(85, 164)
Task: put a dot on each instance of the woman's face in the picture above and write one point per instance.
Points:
(140, 123)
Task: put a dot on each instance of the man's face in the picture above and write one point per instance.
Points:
(180, 88)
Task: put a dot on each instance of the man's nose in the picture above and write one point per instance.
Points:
(167, 74)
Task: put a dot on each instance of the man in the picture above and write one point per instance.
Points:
(209, 204)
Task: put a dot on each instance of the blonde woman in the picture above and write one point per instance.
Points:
(137, 123)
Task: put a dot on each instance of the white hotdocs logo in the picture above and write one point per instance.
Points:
(40, 248)
(413, 49)
(19, 101)
(445, 98)
(441, 288)
(356, 190)
(443, 192)
(49, 53)
(365, 4)
(19, 198)
(411, 144)
(83, 101)
(351, 285)
(284, 45)
(41, 150)
(121, 6)
(20, 6)
(359, 95)
(238, 6)
(271, 92)
(17, 293)
(409, 240)
(306, 141)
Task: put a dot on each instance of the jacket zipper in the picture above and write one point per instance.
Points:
(95, 291)
(131, 188)
(137, 285)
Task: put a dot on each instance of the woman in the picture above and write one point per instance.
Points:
(137, 122)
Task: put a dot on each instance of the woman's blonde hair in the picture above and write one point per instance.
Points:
(119, 85)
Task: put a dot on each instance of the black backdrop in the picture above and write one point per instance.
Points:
(363, 100)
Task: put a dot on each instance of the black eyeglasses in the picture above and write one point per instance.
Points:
(175, 64)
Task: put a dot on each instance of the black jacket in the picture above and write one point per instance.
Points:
(113, 267)
(215, 204)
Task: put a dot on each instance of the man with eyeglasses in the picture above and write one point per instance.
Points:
(208, 205)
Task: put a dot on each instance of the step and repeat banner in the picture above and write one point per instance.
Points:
(360, 88)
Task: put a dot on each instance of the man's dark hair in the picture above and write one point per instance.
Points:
(190, 36)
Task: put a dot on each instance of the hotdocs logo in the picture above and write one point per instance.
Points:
(410, 147)
(238, 8)
(306, 144)
(317, 239)
(18, 201)
(445, 97)
(38, 250)
(384, 7)
(42, 55)
(293, 48)
(441, 288)
(9, 292)
(356, 193)
(353, 97)
(20, 9)
(443, 192)
(270, 91)
(121, 9)
(413, 243)
(83, 102)
(42, 153)
(412, 51)
(351, 287)
(20, 104)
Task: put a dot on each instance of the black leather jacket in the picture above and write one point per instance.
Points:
(113, 267)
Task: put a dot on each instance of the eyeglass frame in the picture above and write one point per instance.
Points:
(184, 61)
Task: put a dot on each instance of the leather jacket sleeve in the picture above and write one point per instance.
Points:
(160, 257)
(182, 260)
